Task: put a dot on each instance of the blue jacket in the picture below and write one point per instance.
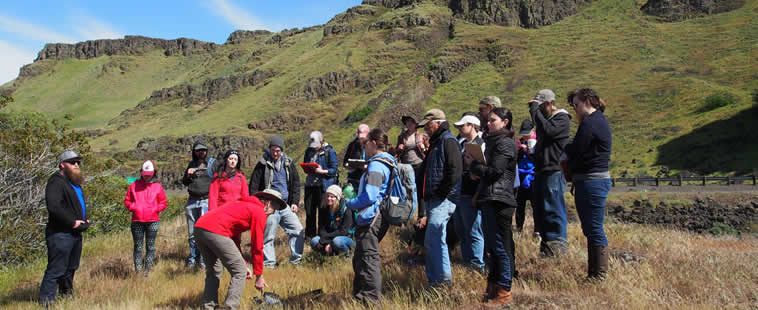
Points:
(526, 171)
(326, 157)
(374, 186)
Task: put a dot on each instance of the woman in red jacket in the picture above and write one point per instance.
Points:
(145, 199)
(228, 185)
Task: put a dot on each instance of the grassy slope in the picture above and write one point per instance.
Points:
(678, 270)
(654, 76)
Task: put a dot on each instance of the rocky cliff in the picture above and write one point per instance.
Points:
(129, 45)
(678, 10)
(522, 13)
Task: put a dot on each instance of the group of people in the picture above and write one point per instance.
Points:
(479, 179)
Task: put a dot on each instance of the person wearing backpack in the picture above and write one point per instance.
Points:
(316, 183)
(443, 168)
(370, 226)
(336, 236)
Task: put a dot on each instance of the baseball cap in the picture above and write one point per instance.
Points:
(468, 119)
(526, 127)
(316, 139)
(200, 146)
(544, 96)
(432, 115)
(69, 155)
(493, 100)
(148, 168)
(363, 130)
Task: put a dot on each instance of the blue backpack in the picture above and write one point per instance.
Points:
(399, 205)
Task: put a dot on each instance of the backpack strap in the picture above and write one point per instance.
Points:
(392, 175)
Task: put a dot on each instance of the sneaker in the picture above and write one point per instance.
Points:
(269, 266)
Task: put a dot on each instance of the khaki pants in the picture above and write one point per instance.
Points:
(218, 250)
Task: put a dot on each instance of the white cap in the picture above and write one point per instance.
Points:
(148, 168)
(316, 139)
(469, 119)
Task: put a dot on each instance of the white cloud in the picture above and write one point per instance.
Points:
(32, 32)
(13, 58)
(90, 28)
(235, 15)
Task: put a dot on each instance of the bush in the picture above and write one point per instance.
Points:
(718, 100)
(30, 144)
(358, 115)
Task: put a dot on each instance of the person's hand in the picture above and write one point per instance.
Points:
(260, 283)
(249, 274)
(468, 158)
(77, 223)
(294, 208)
(365, 167)
(320, 246)
(320, 171)
(401, 147)
(191, 171)
(328, 249)
(474, 177)
(422, 222)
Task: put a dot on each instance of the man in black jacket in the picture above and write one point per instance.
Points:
(553, 126)
(277, 171)
(443, 167)
(197, 178)
(355, 151)
(67, 219)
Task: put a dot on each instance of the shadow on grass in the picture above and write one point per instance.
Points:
(183, 302)
(27, 291)
(116, 268)
(718, 147)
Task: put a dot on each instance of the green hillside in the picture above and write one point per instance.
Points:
(654, 75)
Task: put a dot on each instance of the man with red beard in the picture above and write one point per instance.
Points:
(67, 221)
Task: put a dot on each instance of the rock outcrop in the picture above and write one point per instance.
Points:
(281, 123)
(393, 4)
(678, 10)
(240, 36)
(522, 13)
(333, 83)
(129, 45)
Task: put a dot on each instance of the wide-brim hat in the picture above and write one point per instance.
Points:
(405, 119)
(274, 196)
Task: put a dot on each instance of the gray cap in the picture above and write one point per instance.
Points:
(69, 155)
(544, 95)
(493, 100)
(276, 141)
(315, 139)
(200, 146)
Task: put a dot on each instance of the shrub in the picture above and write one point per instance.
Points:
(358, 115)
(717, 100)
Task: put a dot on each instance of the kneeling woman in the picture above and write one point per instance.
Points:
(335, 236)
(145, 199)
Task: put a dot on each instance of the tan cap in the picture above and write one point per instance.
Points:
(493, 100)
(432, 115)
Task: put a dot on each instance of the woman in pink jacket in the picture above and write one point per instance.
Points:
(145, 199)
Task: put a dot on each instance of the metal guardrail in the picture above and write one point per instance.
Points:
(679, 181)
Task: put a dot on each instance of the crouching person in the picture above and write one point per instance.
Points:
(218, 233)
(335, 237)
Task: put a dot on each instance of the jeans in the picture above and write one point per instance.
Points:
(499, 239)
(437, 257)
(64, 250)
(367, 282)
(195, 209)
(590, 198)
(143, 234)
(468, 227)
(291, 224)
(221, 252)
(550, 187)
(340, 244)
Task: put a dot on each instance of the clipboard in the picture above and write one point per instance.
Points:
(356, 163)
(475, 150)
(309, 168)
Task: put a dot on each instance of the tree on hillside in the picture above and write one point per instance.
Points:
(5, 100)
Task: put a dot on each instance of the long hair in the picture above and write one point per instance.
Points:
(222, 173)
(587, 94)
(503, 114)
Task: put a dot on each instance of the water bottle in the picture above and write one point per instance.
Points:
(349, 192)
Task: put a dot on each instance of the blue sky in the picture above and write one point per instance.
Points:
(25, 26)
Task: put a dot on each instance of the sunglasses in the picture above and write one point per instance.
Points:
(75, 162)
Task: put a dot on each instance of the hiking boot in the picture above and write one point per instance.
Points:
(597, 262)
(501, 297)
(489, 292)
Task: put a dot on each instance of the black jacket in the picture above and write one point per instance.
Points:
(497, 177)
(199, 183)
(263, 176)
(63, 206)
(354, 151)
(345, 223)
(552, 137)
(591, 149)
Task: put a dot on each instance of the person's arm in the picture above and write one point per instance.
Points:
(257, 225)
(453, 167)
(243, 186)
(555, 126)
(186, 179)
(332, 165)
(496, 164)
(348, 153)
(129, 198)
(54, 199)
(256, 179)
(294, 186)
(161, 198)
(371, 190)
(213, 194)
